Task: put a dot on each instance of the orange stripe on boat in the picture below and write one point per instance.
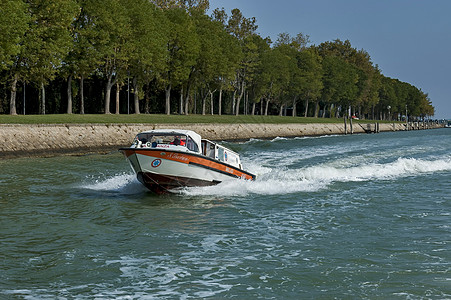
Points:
(190, 158)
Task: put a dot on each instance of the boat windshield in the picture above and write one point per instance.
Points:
(149, 140)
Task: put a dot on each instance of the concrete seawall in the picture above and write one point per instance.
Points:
(20, 140)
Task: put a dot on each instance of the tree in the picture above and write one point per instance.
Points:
(425, 106)
(183, 50)
(304, 69)
(112, 24)
(203, 70)
(85, 55)
(49, 40)
(368, 78)
(218, 59)
(46, 42)
(273, 76)
(243, 29)
(229, 58)
(281, 68)
(148, 52)
(14, 24)
(372, 100)
(299, 42)
(310, 77)
(340, 79)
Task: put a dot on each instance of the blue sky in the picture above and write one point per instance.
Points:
(409, 39)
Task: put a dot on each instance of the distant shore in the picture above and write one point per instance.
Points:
(44, 140)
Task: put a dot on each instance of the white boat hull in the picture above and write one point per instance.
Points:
(162, 171)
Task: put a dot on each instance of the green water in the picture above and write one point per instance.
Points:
(346, 217)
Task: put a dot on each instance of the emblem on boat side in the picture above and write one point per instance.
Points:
(155, 163)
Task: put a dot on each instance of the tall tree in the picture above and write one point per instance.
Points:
(244, 29)
(148, 40)
(183, 50)
(281, 74)
(367, 74)
(14, 24)
(230, 57)
(218, 57)
(309, 77)
(304, 68)
(49, 41)
(273, 76)
(46, 42)
(85, 56)
(112, 23)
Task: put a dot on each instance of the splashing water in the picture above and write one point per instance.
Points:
(124, 183)
(115, 182)
(285, 181)
(299, 169)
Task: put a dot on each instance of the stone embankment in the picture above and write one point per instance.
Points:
(20, 140)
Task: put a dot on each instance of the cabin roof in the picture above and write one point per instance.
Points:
(196, 137)
(171, 131)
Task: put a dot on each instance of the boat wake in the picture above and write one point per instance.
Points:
(271, 181)
(124, 183)
(287, 179)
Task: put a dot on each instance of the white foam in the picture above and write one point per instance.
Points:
(280, 178)
(164, 276)
(315, 137)
(283, 180)
(250, 141)
(278, 138)
(123, 182)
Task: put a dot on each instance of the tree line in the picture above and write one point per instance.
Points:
(170, 56)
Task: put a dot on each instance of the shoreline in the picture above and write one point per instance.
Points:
(46, 140)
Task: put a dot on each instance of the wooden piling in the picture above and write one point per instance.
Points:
(350, 125)
(346, 125)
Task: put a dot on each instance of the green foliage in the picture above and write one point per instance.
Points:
(14, 22)
(147, 45)
(171, 48)
(47, 40)
(311, 72)
(38, 54)
(183, 46)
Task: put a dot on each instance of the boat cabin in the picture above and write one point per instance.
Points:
(221, 153)
(185, 141)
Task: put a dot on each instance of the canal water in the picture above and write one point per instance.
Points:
(346, 217)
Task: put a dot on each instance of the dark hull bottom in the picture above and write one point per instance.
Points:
(163, 184)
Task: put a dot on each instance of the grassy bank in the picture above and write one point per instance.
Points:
(159, 119)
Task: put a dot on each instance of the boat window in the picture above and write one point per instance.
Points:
(143, 137)
(154, 141)
(221, 154)
(209, 149)
(191, 145)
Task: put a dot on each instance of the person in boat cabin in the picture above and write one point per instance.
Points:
(177, 141)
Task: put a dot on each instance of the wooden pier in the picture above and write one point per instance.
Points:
(395, 126)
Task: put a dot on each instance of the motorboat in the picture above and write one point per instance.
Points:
(165, 160)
